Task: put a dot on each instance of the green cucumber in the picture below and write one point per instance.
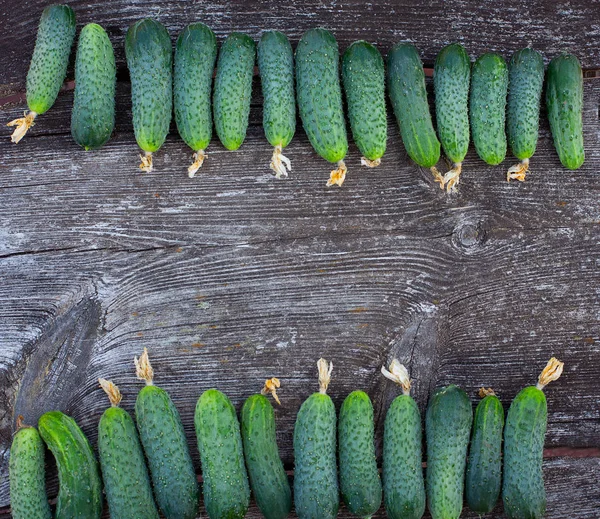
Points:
(276, 67)
(226, 490)
(487, 103)
(26, 475)
(163, 438)
(564, 102)
(80, 491)
(195, 56)
(93, 115)
(150, 61)
(316, 493)
(448, 427)
(363, 76)
(268, 479)
(320, 98)
(126, 482)
(523, 490)
(233, 89)
(483, 480)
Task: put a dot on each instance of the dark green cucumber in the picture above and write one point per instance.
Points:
(363, 76)
(489, 87)
(93, 115)
(564, 102)
(226, 490)
(233, 89)
(448, 427)
(483, 480)
(80, 492)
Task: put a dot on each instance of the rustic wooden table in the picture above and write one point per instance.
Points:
(234, 276)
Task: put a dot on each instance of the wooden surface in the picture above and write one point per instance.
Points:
(234, 276)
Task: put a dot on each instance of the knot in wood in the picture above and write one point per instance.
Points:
(470, 235)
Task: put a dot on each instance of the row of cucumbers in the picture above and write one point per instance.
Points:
(235, 459)
(486, 102)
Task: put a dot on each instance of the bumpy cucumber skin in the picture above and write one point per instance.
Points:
(195, 56)
(316, 493)
(523, 490)
(48, 66)
(363, 77)
(360, 484)
(403, 484)
(451, 82)
(93, 115)
(525, 81)
(226, 490)
(484, 470)
(233, 89)
(489, 87)
(171, 468)
(27, 478)
(80, 491)
(320, 94)
(564, 102)
(448, 427)
(406, 87)
(276, 67)
(268, 479)
(150, 62)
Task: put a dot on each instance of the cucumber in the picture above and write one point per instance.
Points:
(564, 102)
(233, 89)
(523, 491)
(226, 490)
(525, 81)
(48, 66)
(451, 82)
(448, 427)
(93, 115)
(403, 484)
(320, 99)
(363, 77)
(126, 482)
(80, 491)
(163, 438)
(268, 479)
(316, 494)
(489, 87)
(276, 67)
(26, 475)
(150, 61)
(195, 56)
(360, 484)
(482, 484)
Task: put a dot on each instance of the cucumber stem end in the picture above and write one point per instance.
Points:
(143, 368)
(398, 374)
(338, 175)
(199, 157)
(486, 391)
(452, 177)
(146, 164)
(114, 395)
(437, 176)
(22, 125)
(370, 163)
(279, 163)
(518, 171)
(551, 372)
(271, 387)
(325, 370)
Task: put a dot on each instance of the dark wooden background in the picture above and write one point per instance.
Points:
(234, 276)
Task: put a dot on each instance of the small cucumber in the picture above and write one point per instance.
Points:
(360, 484)
(564, 102)
(523, 491)
(448, 427)
(195, 56)
(126, 482)
(93, 115)
(226, 490)
(268, 479)
(163, 438)
(233, 89)
(80, 492)
(320, 98)
(276, 67)
(26, 475)
(489, 87)
(316, 493)
(482, 484)
(363, 76)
